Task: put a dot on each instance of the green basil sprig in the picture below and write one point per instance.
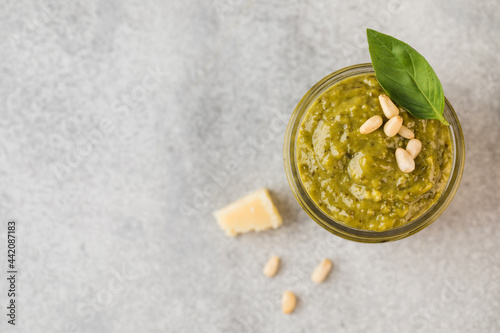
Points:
(406, 76)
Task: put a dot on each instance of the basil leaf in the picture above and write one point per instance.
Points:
(406, 76)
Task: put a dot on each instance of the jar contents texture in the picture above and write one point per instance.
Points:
(354, 177)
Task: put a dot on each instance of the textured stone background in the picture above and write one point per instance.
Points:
(125, 123)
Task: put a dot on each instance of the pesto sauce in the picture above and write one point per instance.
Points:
(353, 177)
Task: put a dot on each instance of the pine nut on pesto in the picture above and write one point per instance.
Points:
(354, 177)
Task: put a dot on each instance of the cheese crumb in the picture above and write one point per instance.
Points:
(255, 212)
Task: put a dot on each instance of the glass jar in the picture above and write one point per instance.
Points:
(337, 227)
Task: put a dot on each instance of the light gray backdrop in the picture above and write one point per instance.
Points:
(125, 123)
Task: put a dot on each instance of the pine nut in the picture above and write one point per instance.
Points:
(405, 162)
(271, 267)
(389, 108)
(288, 302)
(321, 271)
(371, 125)
(414, 147)
(393, 126)
(406, 133)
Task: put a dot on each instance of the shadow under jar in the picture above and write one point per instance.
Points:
(322, 217)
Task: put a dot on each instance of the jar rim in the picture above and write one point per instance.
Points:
(337, 227)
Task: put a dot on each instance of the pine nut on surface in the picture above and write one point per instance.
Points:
(321, 271)
(414, 147)
(288, 302)
(271, 266)
(390, 109)
(393, 126)
(406, 133)
(371, 125)
(405, 161)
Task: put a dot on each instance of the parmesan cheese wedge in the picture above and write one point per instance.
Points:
(255, 212)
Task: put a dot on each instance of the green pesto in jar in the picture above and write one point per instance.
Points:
(354, 177)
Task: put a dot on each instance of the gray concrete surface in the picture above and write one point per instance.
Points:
(125, 123)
